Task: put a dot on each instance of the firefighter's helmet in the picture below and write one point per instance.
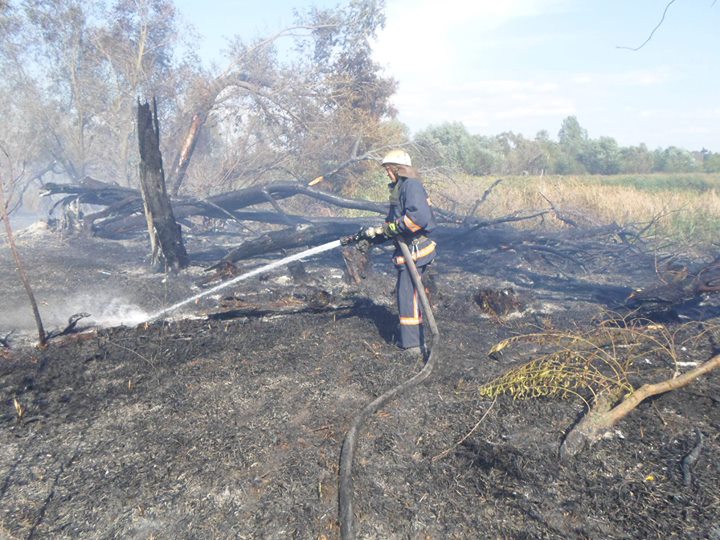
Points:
(397, 157)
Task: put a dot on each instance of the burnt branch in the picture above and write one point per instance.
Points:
(589, 430)
(481, 200)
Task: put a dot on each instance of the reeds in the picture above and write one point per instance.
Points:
(682, 208)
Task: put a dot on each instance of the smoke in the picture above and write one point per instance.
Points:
(105, 308)
(118, 312)
(276, 264)
(109, 308)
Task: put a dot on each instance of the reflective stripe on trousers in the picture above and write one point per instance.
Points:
(411, 328)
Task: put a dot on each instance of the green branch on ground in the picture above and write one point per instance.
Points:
(597, 367)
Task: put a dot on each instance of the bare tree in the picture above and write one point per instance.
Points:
(304, 102)
(75, 68)
(298, 116)
(8, 182)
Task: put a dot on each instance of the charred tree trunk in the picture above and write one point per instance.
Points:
(292, 237)
(168, 251)
(357, 264)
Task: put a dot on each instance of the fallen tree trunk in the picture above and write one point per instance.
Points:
(568, 252)
(302, 235)
(124, 218)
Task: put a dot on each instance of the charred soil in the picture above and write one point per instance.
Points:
(231, 426)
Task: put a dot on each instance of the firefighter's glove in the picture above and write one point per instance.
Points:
(370, 233)
(390, 230)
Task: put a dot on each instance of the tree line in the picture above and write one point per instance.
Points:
(574, 152)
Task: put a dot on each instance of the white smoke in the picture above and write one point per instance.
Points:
(118, 312)
(105, 309)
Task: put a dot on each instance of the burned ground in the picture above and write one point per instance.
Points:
(232, 427)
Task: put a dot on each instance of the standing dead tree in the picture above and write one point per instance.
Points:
(5, 213)
(168, 251)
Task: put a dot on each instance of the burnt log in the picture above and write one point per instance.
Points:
(293, 237)
(311, 300)
(71, 326)
(357, 264)
(168, 250)
(124, 219)
(679, 288)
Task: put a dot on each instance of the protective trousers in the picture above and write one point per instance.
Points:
(411, 328)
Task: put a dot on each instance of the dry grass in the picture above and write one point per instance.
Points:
(602, 359)
(686, 209)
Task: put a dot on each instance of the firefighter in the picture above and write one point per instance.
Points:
(410, 218)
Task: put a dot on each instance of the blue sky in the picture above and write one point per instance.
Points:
(524, 65)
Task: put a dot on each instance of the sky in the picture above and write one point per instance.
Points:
(525, 65)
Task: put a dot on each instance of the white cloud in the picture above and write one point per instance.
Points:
(553, 109)
(635, 77)
(427, 36)
(425, 46)
(486, 104)
(685, 115)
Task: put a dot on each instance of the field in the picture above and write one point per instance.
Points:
(227, 422)
(684, 208)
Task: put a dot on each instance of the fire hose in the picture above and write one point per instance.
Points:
(347, 528)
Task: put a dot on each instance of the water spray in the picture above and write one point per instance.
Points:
(266, 268)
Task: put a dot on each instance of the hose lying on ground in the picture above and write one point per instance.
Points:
(347, 530)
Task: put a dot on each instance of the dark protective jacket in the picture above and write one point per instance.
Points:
(410, 210)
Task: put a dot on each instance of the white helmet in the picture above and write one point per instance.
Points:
(397, 157)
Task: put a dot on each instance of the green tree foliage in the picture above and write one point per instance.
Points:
(674, 160)
(573, 140)
(710, 161)
(571, 136)
(451, 145)
(601, 156)
(636, 159)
